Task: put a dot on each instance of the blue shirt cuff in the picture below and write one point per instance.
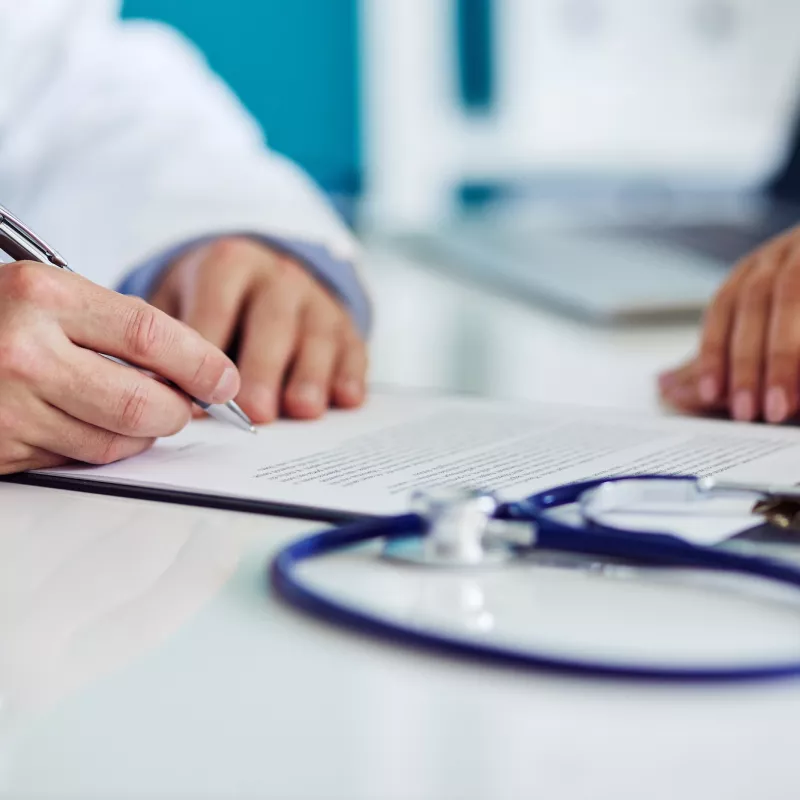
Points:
(338, 275)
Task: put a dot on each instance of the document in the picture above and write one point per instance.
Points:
(368, 461)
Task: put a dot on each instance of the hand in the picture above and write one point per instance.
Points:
(59, 401)
(748, 364)
(298, 349)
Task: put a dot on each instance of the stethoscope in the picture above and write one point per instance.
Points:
(465, 530)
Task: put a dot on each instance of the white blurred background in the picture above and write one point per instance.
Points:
(696, 90)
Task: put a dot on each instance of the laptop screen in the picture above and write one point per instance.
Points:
(785, 185)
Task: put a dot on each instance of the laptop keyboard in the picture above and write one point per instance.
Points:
(726, 243)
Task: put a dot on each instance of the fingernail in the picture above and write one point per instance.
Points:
(351, 388)
(309, 394)
(743, 406)
(776, 405)
(263, 398)
(227, 387)
(707, 389)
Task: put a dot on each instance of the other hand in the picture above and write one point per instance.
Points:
(748, 363)
(298, 349)
(61, 401)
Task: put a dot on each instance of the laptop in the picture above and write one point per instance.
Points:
(623, 268)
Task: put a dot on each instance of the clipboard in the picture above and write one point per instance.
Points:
(355, 466)
(186, 498)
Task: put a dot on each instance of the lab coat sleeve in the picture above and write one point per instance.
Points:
(125, 145)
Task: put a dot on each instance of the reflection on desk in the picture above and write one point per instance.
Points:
(434, 331)
(87, 584)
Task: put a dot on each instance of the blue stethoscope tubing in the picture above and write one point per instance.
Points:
(594, 539)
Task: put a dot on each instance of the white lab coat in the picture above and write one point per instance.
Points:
(117, 141)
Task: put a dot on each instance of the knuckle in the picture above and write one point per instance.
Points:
(108, 448)
(757, 288)
(324, 319)
(719, 310)
(132, 408)
(351, 339)
(784, 353)
(14, 457)
(752, 304)
(226, 249)
(742, 266)
(722, 300)
(26, 281)
(356, 361)
(288, 272)
(145, 334)
(783, 362)
(283, 317)
(745, 366)
(19, 354)
(712, 352)
(352, 357)
(10, 426)
(741, 269)
(319, 346)
(788, 280)
(323, 328)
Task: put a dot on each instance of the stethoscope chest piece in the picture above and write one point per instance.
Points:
(439, 577)
(462, 531)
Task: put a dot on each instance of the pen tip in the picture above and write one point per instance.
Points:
(253, 429)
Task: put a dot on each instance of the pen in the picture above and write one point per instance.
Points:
(22, 244)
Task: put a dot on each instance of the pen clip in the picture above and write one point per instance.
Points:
(21, 243)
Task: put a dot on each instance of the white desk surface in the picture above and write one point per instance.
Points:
(142, 656)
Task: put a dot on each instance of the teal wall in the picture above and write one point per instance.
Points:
(293, 63)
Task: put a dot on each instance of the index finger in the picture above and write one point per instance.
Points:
(131, 329)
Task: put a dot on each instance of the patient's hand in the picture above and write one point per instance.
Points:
(748, 363)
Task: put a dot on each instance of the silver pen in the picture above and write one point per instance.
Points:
(22, 244)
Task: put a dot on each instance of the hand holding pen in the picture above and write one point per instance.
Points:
(59, 399)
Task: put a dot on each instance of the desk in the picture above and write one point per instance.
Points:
(433, 331)
(141, 655)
